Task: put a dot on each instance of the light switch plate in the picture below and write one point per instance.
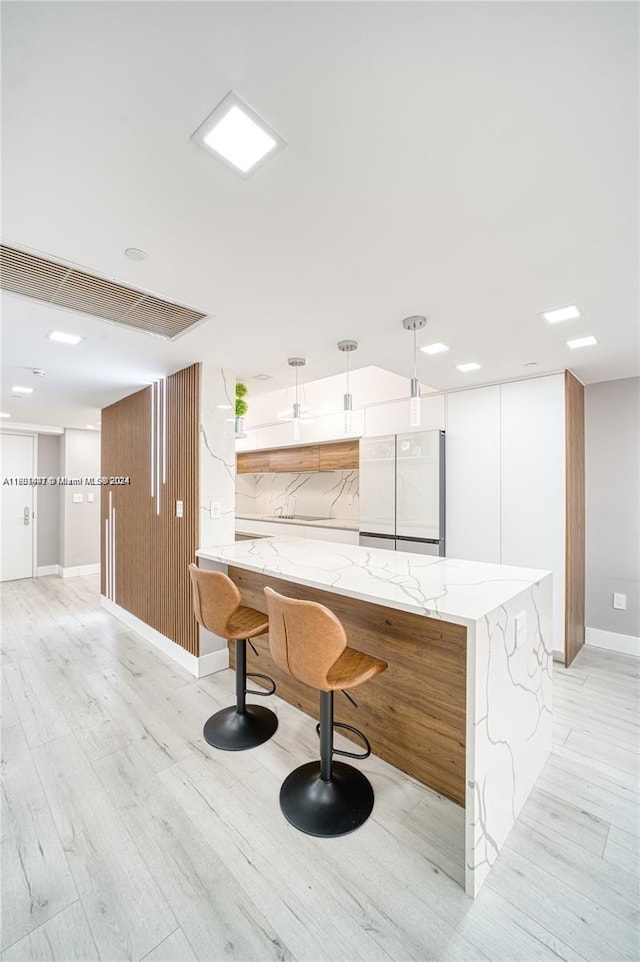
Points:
(77, 498)
(179, 509)
(91, 497)
(619, 601)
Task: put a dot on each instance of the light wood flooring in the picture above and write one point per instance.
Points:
(126, 837)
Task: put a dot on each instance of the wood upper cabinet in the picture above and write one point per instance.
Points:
(340, 456)
(336, 456)
(303, 458)
(252, 462)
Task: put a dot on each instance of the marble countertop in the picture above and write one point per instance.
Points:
(462, 592)
(341, 524)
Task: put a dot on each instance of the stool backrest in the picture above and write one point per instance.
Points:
(215, 598)
(305, 638)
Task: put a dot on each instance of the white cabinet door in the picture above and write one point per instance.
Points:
(533, 482)
(337, 535)
(473, 475)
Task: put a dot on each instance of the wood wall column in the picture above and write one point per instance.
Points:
(153, 547)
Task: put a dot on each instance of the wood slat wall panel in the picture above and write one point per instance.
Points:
(575, 518)
(153, 550)
(414, 714)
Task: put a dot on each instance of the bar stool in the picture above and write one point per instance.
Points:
(217, 607)
(307, 641)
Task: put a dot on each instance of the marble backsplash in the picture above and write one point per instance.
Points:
(323, 494)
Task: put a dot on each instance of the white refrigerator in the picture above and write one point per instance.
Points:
(402, 492)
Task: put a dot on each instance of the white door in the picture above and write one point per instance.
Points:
(16, 518)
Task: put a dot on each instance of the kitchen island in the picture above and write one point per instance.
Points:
(465, 706)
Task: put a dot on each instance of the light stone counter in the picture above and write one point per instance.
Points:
(507, 614)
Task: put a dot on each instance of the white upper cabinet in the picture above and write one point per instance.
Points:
(393, 417)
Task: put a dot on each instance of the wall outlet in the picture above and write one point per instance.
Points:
(215, 509)
(179, 509)
(77, 499)
(91, 497)
(619, 601)
(521, 628)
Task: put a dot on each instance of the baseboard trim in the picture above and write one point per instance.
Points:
(212, 662)
(78, 570)
(613, 641)
(198, 667)
(44, 570)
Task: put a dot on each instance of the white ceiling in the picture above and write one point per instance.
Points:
(477, 163)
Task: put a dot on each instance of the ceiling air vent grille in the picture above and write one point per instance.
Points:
(68, 287)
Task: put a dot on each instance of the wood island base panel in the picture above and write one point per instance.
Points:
(414, 713)
(465, 705)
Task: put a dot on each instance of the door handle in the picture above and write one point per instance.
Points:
(27, 515)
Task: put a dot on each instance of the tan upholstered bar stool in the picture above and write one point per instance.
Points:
(308, 641)
(218, 608)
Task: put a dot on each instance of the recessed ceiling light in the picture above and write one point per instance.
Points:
(561, 314)
(63, 338)
(135, 254)
(262, 377)
(582, 342)
(531, 364)
(2, 415)
(16, 389)
(434, 348)
(471, 366)
(237, 135)
(224, 407)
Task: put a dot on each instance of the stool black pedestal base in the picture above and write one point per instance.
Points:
(324, 808)
(234, 731)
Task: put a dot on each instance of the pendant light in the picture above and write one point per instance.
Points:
(296, 362)
(414, 323)
(347, 404)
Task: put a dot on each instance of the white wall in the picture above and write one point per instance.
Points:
(217, 475)
(612, 422)
(217, 459)
(80, 527)
(48, 506)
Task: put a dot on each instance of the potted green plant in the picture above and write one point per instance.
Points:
(242, 406)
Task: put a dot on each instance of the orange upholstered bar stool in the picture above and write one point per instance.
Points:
(218, 608)
(308, 641)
